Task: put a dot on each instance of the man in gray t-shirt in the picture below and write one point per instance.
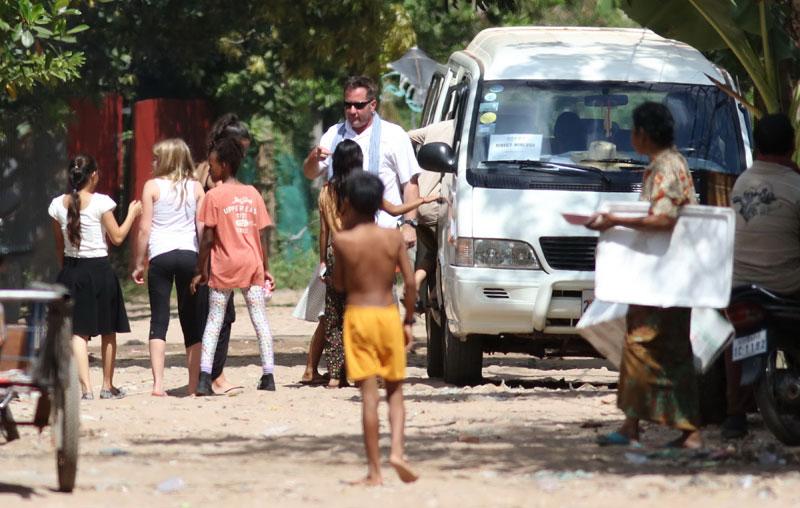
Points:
(766, 198)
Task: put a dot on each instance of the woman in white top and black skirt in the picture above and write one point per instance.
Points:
(82, 220)
(168, 235)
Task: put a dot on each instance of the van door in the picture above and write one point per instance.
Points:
(454, 108)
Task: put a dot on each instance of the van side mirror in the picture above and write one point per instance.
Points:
(437, 157)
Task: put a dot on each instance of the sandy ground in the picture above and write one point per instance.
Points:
(524, 438)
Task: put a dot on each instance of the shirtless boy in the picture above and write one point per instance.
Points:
(375, 343)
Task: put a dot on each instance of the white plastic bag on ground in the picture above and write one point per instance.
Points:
(312, 304)
(604, 326)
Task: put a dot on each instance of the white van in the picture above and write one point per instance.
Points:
(542, 126)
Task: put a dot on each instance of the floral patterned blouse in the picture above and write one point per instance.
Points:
(668, 184)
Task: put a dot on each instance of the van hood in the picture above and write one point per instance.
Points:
(528, 214)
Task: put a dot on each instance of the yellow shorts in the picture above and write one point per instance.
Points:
(374, 344)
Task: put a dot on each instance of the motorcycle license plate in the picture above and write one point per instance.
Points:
(749, 345)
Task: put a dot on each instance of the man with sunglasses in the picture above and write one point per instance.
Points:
(387, 150)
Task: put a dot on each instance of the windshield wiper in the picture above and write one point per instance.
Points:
(616, 161)
(527, 164)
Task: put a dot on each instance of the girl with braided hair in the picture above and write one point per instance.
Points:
(82, 220)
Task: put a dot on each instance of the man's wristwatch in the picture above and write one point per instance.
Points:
(411, 321)
(411, 222)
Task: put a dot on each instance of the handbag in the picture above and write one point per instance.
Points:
(312, 304)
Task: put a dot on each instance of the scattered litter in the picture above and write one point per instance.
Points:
(766, 458)
(550, 481)
(489, 474)
(106, 486)
(88, 418)
(766, 493)
(173, 484)
(275, 430)
(746, 481)
(636, 458)
(114, 452)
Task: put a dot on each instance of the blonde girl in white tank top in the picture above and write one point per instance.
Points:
(168, 238)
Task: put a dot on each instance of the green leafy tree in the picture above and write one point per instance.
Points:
(34, 37)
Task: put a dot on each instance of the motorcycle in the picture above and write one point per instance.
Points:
(767, 347)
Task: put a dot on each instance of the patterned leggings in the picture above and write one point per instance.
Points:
(256, 306)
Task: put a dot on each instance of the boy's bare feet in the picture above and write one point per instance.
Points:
(403, 468)
(369, 481)
(156, 393)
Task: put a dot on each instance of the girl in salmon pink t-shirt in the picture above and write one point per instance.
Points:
(234, 216)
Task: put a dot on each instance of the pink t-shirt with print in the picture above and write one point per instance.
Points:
(237, 214)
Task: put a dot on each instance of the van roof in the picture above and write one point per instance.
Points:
(588, 54)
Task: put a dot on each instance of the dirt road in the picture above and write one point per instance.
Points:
(525, 438)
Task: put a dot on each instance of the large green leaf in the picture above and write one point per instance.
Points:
(707, 25)
(675, 19)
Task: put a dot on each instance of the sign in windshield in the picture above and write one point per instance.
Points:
(589, 123)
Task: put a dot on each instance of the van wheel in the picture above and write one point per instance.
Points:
(463, 360)
(435, 355)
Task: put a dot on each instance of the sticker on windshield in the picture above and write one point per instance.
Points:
(511, 147)
(490, 97)
(487, 106)
(488, 118)
(484, 130)
(496, 88)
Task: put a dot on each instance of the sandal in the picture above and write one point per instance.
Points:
(322, 379)
(615, 439)
(113, 393)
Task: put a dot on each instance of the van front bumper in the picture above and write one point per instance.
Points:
(495, 301)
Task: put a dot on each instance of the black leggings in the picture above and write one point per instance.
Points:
(174, 266)
(221, 352)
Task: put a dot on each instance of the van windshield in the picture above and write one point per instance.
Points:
(589, 124)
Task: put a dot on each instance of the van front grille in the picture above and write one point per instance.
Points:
(569, 252)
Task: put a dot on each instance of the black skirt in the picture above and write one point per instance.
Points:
(98, 305)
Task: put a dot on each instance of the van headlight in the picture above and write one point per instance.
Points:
(488, 253)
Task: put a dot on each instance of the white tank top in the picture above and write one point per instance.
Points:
(173, 226)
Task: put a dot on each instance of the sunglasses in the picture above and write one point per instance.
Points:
(358, 105)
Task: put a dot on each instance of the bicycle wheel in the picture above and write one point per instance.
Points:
(66, 427)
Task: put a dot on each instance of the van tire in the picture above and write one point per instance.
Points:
(463, 360)
(435, 342)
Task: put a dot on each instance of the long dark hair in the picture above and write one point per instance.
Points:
(228, 125)
(80, 169)
(346, 158)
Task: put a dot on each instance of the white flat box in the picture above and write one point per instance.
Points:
(691, 266)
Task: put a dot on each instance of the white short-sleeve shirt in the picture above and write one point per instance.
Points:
(93, 234)
(397, 166)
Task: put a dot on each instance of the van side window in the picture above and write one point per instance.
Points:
(460, 98)
(434, 91)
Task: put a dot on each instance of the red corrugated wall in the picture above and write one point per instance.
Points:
(158, 119)
(96, 130)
